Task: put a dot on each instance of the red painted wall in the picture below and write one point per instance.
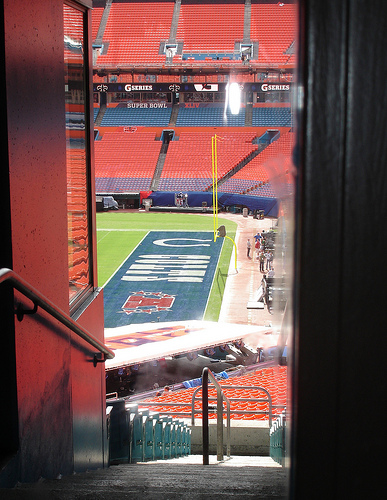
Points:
(60, 392)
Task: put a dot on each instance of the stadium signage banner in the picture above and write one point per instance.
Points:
(187, 87)
(147, 105)
(265, 87)
(131, 88)
(168, 277)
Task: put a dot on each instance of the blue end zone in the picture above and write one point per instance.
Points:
(168, 277)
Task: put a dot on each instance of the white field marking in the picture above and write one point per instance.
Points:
(104, 236)
(128, 229)
(122, 263)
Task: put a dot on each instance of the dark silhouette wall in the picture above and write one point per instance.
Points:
(338, 441)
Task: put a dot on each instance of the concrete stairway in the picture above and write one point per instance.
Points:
(176, 479)
(104, 19)
(247, 22)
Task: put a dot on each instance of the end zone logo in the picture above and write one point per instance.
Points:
(148, 302)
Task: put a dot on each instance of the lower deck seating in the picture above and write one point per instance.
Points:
(273, 379)
(251, 187)
(122, 184)
(268, 174)
(189, 161)
(126, 160)
(211, 116)
(126, 156)
(148, 117)
(272, 117)
(184, 184)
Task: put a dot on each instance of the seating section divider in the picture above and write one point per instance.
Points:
(140, 435)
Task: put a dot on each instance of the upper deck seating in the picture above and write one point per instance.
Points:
(96, 16)
(134, 31)
(210, 27)
(273, 25)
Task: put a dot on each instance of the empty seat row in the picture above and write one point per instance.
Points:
(133, 32)
(209, 117)
(122, 185)
(167, 184)
(272, 117)
(151, 117)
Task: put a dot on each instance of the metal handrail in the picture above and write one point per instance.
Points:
(239, 412)
(256, 388)
(207, 374)
(40, 300)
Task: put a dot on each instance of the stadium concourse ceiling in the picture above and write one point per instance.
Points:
(154, 341)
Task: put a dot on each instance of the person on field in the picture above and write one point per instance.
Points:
(262, 259)
(248, 248)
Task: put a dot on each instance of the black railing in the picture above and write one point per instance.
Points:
(206, 375)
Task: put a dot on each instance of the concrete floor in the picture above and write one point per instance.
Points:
(176, 479)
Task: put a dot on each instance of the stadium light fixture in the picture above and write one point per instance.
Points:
(234, 98)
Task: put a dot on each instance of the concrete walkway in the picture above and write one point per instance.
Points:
(241, 286)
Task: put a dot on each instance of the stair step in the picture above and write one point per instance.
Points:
(246, 477)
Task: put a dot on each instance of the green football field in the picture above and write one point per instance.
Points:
(118, 234)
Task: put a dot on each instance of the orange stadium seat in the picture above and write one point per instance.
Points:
(210, 27)
(129, 26)
(273, 379)
(273, 43)
(121, 155)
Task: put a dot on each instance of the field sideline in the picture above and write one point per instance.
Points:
(119, 233)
